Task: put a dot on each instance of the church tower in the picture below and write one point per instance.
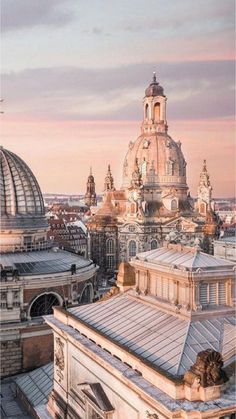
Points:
(90, 198)
(204, 193)
(154, 108)
(109, 181)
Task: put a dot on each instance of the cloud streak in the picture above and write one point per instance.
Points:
(19, 14)
(195, 90)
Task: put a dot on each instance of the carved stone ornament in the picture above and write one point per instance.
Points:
(59, 354)
(207, 370)
(151, 415)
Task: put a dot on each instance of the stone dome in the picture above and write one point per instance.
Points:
(154, 89)
(160, 160)
(21, 198)
(157, 157)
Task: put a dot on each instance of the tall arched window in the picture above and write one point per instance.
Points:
(110, 246)
(132, 248)
(43, 305)
(147, 111)
(110, 254)
(153, 244)
(157, 108)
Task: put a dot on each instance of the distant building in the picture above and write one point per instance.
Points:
(204, 196)
(161, 345)
(90, 198)
(68, 235)
(225, 248)
(153, 204)
(35, 275)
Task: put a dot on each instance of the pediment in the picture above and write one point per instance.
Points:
(182, 224)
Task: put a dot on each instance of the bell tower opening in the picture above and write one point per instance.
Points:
(157, 112)
(146, 111)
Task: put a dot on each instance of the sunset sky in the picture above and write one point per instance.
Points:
(74, 75)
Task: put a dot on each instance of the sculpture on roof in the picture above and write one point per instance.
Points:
(207, 369)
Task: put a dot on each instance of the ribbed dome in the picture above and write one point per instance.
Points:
(154, 89)
(21, 198)
(160, 160)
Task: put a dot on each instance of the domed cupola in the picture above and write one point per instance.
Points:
(22, 208)
(154, 89)
(159, 158)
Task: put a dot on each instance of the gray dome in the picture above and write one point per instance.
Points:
(154, 89)
(21, 198)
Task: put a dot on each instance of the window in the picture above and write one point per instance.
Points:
(110, 246)
(213, 294)
(170, 167)
(174, 205)
(153, 244)
(222, 293)
(146, 111)
(110, 252)
(110, 262)
(157, 111)
(43, 305)
(132, 248)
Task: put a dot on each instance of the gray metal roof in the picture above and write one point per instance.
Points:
(163, 340)
(227, 398)
(44, 262)
(36, 385)
(186, 257)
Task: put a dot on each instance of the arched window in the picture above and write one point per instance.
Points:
(87, 294)
(132, 248)
(157, 108)
(147, 111)
(170, 168)
(110, 254)
(43, 305)
(153, 244)
(174, 205)
(110, 246)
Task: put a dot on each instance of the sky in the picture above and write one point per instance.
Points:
(74, 74)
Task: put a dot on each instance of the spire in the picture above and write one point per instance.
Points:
(90, 197)
(109, 181)
(204, 199)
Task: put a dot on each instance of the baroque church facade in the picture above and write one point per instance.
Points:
(154, 203)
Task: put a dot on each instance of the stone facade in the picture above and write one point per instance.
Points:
(35, 274)
(142, 354)
(154, 204)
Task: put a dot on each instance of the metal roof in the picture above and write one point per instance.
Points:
(164, 340)
(44, 262)
(183, 257)
(36, 385)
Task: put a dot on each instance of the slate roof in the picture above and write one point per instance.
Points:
(36, 385)
(189, 258)
(161, 340)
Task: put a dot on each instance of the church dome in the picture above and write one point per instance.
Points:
(157, 156)
(21, 198)
(154, 89)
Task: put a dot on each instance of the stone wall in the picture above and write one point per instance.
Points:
(23, 348)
